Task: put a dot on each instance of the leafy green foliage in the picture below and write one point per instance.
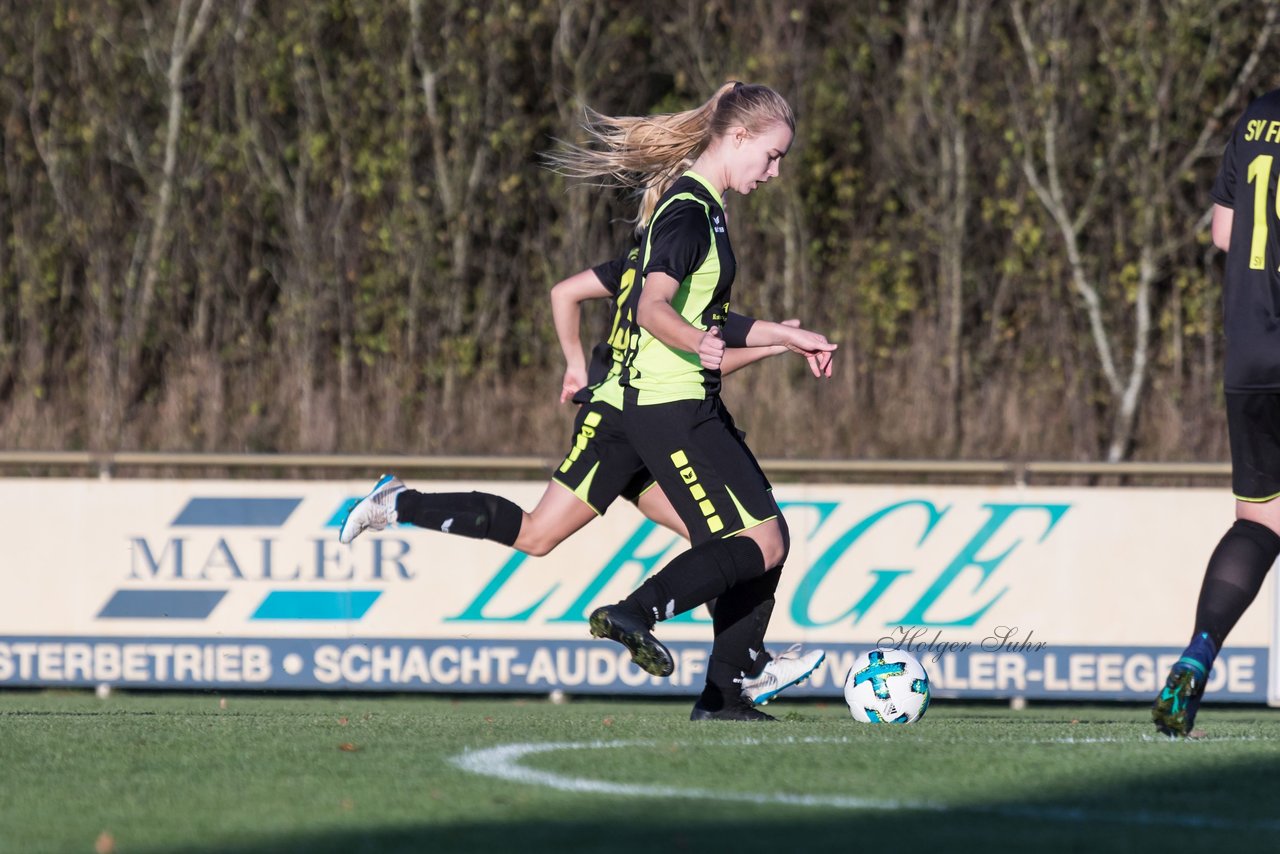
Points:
(355, 227)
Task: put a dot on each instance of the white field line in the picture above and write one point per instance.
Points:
(503, 762)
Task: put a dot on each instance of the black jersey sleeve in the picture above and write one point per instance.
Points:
(1224, 186)
(679, 241)
(610, 274)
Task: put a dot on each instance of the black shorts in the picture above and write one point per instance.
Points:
(1253, 425)
(699, 459)
(602, 465)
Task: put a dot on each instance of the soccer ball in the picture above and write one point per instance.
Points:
(887, 686)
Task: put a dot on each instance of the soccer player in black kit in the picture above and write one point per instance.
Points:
(672, 412)
(1246, 225)
(600, 467)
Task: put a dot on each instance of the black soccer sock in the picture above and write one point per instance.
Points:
(697, 576)
(721, 689)
(1235, 574)
(740, 622)
(760, 661)
(478, 515)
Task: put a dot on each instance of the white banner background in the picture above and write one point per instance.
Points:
(958, 572)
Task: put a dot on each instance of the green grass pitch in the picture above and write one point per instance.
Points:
(158, 772)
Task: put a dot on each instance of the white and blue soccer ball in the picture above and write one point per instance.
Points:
(887, 686)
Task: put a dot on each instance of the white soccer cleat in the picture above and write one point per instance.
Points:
(374, 512)
(783, 670)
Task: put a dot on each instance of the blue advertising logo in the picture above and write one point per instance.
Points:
(199, 550)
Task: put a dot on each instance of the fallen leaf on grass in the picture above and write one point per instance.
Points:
(104, 844)
(342, 721)
(347, 747)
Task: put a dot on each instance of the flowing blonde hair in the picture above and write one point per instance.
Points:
(648, 153)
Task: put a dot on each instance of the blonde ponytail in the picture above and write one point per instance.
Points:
(631, 151)
(651, 194)
(648, 153)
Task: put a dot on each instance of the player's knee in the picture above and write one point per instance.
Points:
(785, 533)
(535, 540)
(539, 545)
(773, 547)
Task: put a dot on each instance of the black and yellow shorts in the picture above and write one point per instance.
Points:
(602, 465)
(1253, 425)
(698, 457)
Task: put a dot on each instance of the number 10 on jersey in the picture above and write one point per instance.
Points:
(1260, 176)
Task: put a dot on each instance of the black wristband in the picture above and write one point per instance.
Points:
(736, 327)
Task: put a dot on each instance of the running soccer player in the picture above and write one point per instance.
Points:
(672, 411)
(1246, 227)
(601, 464)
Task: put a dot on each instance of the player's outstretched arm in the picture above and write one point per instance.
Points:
(814, 346)
(736, 357)
(567, 297)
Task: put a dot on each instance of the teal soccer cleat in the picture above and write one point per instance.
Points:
(1174, 711)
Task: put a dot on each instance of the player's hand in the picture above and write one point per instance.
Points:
(574, 379)
(815, 348)
(820, 363)
(711, 349)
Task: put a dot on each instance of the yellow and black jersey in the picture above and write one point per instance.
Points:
(605, 368)
(688, 240)
(1247, 183)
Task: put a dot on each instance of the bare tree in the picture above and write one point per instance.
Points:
(932, 115)
(140, 294)
(1088, 159)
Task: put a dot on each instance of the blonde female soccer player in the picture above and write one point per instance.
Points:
(600, 466)
(672, 411)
